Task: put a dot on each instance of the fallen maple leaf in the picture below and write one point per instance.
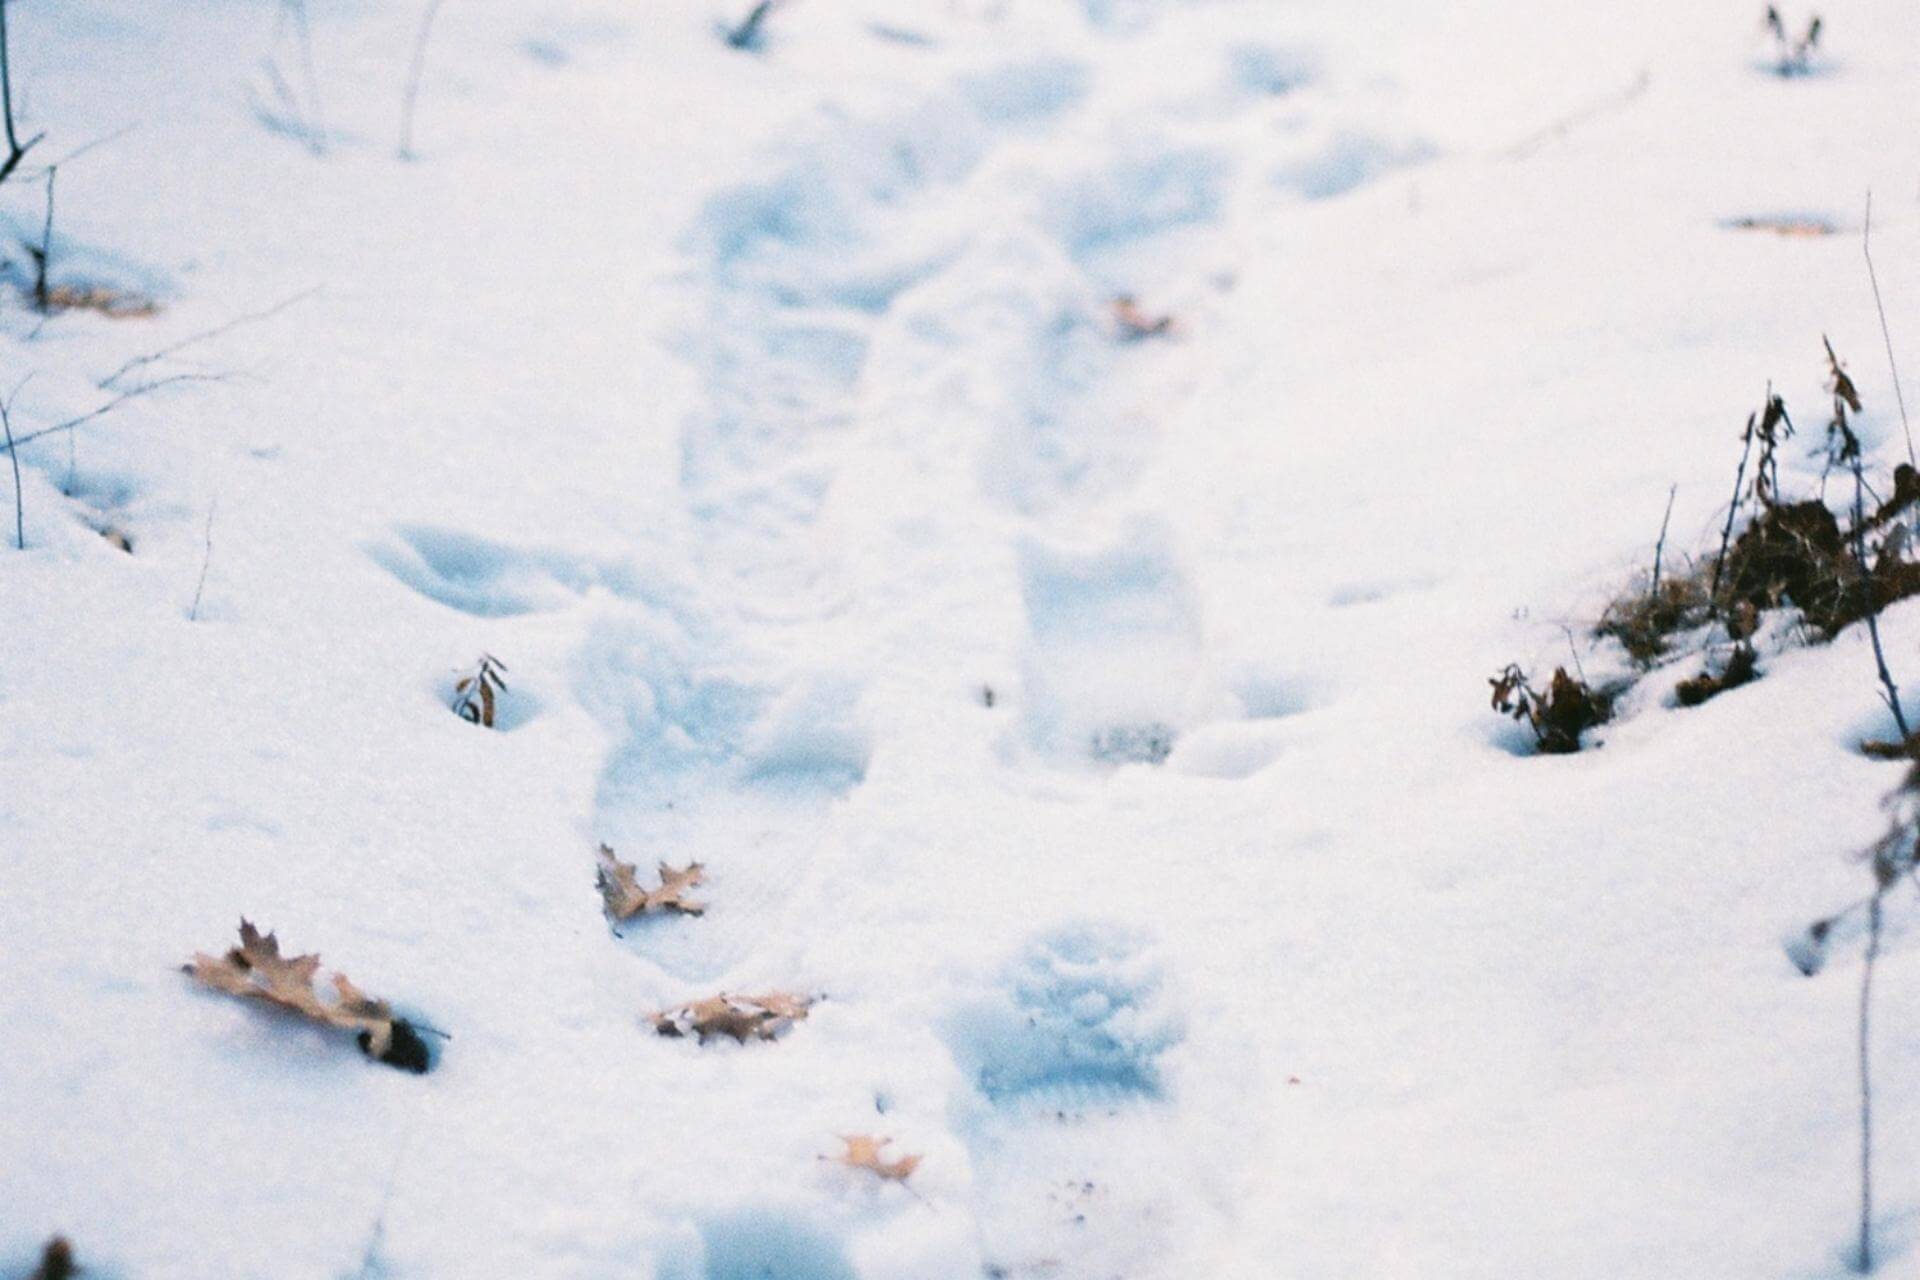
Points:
(256, 970)
(744, 1018)
(863, 1152)
(620, 885)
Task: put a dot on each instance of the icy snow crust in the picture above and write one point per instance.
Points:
(1097, 726)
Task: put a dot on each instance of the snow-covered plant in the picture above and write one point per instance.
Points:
(1792, 56)
(476, 695)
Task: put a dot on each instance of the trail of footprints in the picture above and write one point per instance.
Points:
(860, 253)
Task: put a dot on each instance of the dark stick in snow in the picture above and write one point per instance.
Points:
(15, 151)
(19, 502)
(206, 559)
(1866, 250)
(1866, 1085)
(1660, 547)
(1892, 691)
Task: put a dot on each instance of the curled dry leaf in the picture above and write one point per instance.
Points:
(863, 1152)
(761, 1017)
(256, 970)
(620, 887)
(1133, 322)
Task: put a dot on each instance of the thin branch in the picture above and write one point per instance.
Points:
(1866, 1085)
(193, 614)
(104, 139)
(305, 30)
(1660, 547)
(15, 151)
(1866, 250)
(140, 362)
(1733, 510)
(43, 257)
(1891, 692)
(747, 34)
(414, 73)
(132, 393)
(1567, 123)
(19, 500)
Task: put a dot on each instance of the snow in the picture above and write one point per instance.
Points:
(1098, 726)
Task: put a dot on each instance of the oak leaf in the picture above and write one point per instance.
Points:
(863, 1152)
(744, 1018)
(256, 970)
(620, 886)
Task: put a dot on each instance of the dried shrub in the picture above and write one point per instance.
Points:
(1643, 620)
(1557, 717)
(1742, 667)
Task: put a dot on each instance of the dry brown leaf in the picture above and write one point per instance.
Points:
(863, 1152)
(620, 887)
(1134, 322)
(1783, 226)
(744, 1018)
(107, 302)
(256, 970)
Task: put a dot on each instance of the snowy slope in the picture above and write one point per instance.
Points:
(1098, 726)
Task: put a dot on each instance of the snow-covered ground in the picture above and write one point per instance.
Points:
(1099, 727)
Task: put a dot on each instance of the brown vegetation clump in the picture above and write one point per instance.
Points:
(1642, 621)
(1557, 717)
(1742, 667)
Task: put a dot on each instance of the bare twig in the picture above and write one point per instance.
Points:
(19, 500)
(140, 362)
(1891, 691)
(1567, 123)
(1733, 509)
(1866, 1083)
(132, 393)
(206, 559)
(104, 139)
(747, 34)
(1899, 397)
(43, 256)
(305, 29)
(1660, 547)
(16, 151)
(414, 73)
